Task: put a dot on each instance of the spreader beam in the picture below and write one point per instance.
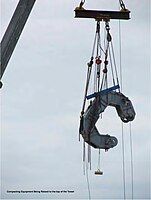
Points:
(102, 15)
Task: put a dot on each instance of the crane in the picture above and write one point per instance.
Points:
(13, 32)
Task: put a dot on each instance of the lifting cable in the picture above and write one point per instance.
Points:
(111, 67)
(121, 2)
(130, 127)
(81, 4)
(88, 184)
(132, 168)
(85, 169)
(115, 67)
(86, 91)
(123, 164)
(99, 165)
(122, 127)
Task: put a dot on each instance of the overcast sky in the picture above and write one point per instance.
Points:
(42, 96)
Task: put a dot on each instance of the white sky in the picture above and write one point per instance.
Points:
(42, 96)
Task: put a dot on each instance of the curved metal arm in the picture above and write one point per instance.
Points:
(88, 129)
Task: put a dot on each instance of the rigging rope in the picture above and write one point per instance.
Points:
(81, 4)
(121, 2)
(122, 5)
(111, 67)
(99, 161)
(131, 149)
(130, 127)
(86, 91)
(115, 67)
(130, 131)
(83, 157)
(121, 81)
(88, 184)
(123, 160)
(120, 50)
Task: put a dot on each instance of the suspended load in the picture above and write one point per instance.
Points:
(102, 84)
(88, 129)
(103, 96)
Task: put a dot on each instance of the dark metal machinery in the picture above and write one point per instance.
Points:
(13, 32)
